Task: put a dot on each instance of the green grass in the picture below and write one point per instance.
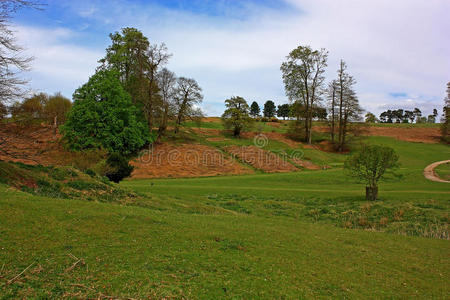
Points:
(443, 171)
(308, 234)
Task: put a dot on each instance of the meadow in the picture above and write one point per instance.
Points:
(306, 234)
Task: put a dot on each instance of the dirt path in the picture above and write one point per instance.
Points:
(429, 173)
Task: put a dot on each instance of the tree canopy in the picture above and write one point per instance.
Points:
(236, 116)
(370, 165)
(103, 116)
(269, 109)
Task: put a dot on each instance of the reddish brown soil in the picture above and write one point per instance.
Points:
(185, 160)
(274, 136)
(261, 159)
(31, 145)
(413, 134)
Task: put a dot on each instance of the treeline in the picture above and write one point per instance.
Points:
(40, 107)
(402, 116)
(286, 110)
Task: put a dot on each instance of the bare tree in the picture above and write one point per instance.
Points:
(332, 98)
(157, 56)
(188, 93)
(348, 104)
(303, 79)
(166, 83)
(12, 63)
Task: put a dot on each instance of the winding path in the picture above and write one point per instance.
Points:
(429, 173)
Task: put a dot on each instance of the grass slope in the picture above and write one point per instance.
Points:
(149, 252)
(255, 236)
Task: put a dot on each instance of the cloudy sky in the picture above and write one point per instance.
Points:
(398, 50)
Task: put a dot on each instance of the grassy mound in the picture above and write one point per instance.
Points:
(62, 182)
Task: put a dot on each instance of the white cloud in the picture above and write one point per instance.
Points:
(390, 46)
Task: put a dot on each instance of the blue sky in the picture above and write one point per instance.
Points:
(236, 47)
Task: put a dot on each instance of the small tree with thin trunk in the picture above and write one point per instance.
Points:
(236, 117)
(370, 164)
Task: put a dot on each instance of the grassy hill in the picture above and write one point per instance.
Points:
(254, 236)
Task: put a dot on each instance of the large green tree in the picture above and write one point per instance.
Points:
(103, 116)
(236, 116)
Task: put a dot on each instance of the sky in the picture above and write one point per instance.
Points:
(398, 51)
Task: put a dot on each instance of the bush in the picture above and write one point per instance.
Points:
(120, 167)
(296, 131)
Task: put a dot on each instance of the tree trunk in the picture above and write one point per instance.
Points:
(371, 193)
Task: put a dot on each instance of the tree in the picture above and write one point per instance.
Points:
(157, 56)
(3, 111)
(303, 79)
(409, 116)
(30, 109)
(254, 109)
(417, 114)
(187, 94)
(370, 164)
(236, 116)
(331, 93)
(138, 63)
(103, 116)
(348, 104)
(127, 56)
(56, 109)
(370, 118)
(12, 63)
(269, 109)
(445, 127)
(166, 82)
(283, 111)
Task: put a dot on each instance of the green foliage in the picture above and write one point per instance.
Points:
(30, 109)
(236, 116)
(254, 109)
(120, 167)
(57, 106)
(283, 111)
(370, 118)
(371, 163)
(269, 109)
(104, 117)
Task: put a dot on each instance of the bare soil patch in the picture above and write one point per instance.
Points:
(412, 134)
(261, 159)
(32, 145)
(185, 160)
(274, 136)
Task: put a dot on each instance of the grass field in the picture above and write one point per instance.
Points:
(443, 171)
(308, 234)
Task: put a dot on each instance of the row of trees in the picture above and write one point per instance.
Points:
(304, 81)
(288, 110)
(402, 116)
(39, 107)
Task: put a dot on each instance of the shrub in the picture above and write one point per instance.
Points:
(296, 131)
(120, 167)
